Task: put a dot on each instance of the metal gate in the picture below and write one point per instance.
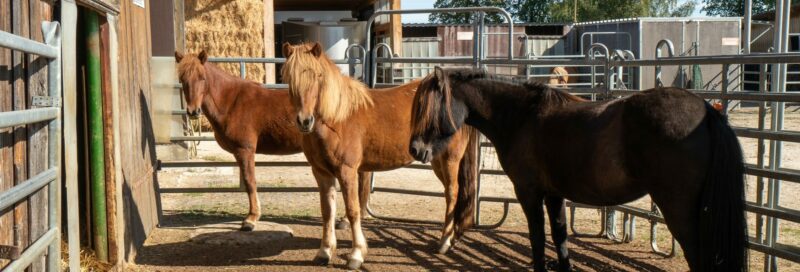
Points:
(768, 172)
(608, 77)
(47, 111)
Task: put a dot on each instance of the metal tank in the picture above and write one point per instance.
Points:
(335, 37)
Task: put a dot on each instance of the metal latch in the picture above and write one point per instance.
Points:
(46, 101)
(9, 252)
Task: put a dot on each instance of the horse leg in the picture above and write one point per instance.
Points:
(364, 190)
(247, 177)
(327, 200)
(532, 207)
(349, 183)
(682, 218)
(558, 229)
(448, 174)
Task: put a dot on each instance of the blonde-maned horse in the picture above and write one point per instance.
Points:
(559, 76)
(349, 128)
(246, 118)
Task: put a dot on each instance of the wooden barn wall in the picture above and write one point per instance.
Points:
(137, 142)
(23, 149)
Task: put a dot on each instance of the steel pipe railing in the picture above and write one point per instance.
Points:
(50, 241)
(14, 42)
(24, 117)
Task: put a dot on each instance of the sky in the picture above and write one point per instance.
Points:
(426, 4)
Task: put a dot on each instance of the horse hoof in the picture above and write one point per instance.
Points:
(443, 249)
(354, 264)
(247, 226)
(554, 265)
(321, 261)
(342, 225)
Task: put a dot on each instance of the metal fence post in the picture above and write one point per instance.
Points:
(725, 85)
(52, 35)
(670, 53)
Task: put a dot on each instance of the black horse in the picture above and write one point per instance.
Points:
(666, 142)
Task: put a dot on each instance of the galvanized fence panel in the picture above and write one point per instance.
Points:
(600, 59)
(48, 111)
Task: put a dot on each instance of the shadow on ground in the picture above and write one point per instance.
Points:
(393, 246)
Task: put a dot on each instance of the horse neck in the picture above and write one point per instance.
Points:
(496, 109)
(222, 88)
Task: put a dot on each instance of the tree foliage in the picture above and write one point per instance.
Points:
(733, 8)
(464, 17)
(670, 8)
(544, 11)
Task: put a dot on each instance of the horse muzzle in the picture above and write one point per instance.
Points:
(306, 125)
(420, 152)
(193, 114)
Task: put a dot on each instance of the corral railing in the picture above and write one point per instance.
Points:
(192, 134)
(47, 111)
(767, 170)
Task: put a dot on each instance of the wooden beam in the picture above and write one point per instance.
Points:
(19, 26)
(179, 21)
(6, 134)
(69, 15)
(396, 32)
(108, 142)
(269, 40)
(37, 133)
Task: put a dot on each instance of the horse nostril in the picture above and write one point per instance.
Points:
(412, 151)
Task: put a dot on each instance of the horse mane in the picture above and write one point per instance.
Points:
(426, 109)
(339, 95)
(547, 95)
(190, 67)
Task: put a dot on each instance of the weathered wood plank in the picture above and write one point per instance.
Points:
(135, 126)
(108, 140)
(37, 133)
(6, 135)
(19, 26)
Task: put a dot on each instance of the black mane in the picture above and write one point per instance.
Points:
(544, 94)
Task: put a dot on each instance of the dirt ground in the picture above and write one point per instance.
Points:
(401, 246)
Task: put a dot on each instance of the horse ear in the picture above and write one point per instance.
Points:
(178, 56)
(287, 49)
(439, 74)
(202, 56)
(317, 49)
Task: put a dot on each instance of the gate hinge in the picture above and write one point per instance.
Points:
(46, 101)
(9, 252)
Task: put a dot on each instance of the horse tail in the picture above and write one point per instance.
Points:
(464, 212)
(723, 237)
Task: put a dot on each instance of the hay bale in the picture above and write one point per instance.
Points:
(227, 28)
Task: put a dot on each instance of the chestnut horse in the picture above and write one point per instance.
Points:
(666, 142)
(246, 119)
(350, 128)
(559, 76)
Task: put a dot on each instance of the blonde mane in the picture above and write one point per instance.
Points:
(339, 95)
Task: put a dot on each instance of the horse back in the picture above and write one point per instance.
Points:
(264, 116)
(671, 113)
(386, 128)
(614, 144)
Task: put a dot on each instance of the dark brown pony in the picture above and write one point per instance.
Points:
(666, 142)
(246, 119)
(350, 128)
